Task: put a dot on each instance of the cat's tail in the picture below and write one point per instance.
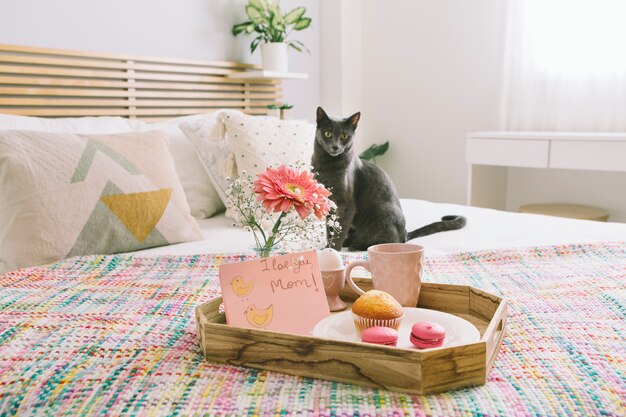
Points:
(446, 223)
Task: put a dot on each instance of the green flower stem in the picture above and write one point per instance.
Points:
(270, 242)
(256, 224)
(285, 233)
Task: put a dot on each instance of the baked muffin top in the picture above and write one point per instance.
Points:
(376, 304)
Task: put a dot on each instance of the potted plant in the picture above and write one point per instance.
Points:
(272, 27)
(281, 111)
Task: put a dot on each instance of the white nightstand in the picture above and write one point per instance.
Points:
(488, 155)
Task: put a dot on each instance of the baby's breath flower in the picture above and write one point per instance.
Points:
(295, 228)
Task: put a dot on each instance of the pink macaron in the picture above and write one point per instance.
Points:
(426, 335)
(380, 335)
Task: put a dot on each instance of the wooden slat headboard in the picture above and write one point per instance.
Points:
(62, 83)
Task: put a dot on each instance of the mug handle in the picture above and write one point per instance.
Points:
(354, 264)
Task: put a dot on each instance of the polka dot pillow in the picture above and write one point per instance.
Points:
(259, 141)
(250, 143)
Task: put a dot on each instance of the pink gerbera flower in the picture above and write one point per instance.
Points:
(283, 188)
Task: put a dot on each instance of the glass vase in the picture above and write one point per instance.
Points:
(266, 252)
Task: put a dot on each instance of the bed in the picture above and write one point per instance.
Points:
(115, 334)
(488, 230)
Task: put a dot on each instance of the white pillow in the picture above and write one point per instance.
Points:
(214, 150)
(83, 125)
(251, 143)
(204, 201)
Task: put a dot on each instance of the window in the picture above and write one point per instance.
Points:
(565, 65)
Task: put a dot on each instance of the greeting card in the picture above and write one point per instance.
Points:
(280, 293)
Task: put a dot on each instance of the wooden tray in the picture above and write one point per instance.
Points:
(405, 370)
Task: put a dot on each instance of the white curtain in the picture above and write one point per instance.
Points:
(565, 65)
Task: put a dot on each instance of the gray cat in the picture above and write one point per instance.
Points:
(368, 207)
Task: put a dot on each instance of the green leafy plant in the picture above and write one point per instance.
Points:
(271, 24)
(284, 106)
(373, 151)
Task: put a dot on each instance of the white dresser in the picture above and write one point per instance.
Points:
(488, 155)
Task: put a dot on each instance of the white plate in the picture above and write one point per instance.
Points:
(459, 331)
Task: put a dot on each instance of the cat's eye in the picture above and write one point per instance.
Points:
(344, 137)
(328, 134)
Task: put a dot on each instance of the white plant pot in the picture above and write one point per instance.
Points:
(274, 56)
(285, 114)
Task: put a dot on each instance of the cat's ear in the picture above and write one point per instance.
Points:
(321, 115)
(354, 119)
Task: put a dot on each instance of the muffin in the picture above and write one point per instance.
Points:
(376, 308)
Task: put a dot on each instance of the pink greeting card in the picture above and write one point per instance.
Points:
(281, 293)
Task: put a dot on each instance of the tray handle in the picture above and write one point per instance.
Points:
(495, 334)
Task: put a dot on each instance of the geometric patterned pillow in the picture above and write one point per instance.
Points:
(64, 194)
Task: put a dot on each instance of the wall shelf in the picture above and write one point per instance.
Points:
(259, 75)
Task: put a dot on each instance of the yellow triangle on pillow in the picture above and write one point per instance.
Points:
(139, 212)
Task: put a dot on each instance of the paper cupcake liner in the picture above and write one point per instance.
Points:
(362, 323)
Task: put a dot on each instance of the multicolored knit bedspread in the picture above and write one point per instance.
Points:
(116, 335)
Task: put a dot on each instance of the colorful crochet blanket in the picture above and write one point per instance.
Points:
(115, 335)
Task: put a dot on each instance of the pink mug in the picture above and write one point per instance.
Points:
(396, 268)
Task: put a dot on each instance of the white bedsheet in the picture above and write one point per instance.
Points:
(485, 229)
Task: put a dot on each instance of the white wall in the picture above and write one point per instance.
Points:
(197, 29)
(341, 58)
(429, 73)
